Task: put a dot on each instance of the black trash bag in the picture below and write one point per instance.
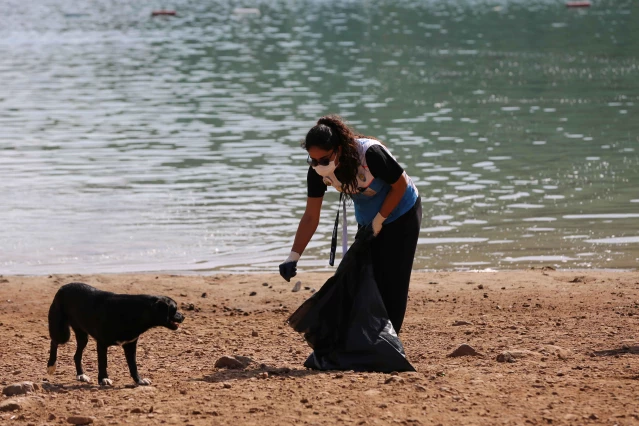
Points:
(346, 322)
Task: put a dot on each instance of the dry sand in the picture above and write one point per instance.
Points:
(573, 335)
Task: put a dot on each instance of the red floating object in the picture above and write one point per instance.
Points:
(163, 13)
(578, 4)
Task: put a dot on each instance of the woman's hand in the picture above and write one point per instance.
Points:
(377, 224)
(288, 269)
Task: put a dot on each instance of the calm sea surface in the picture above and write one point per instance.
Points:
(132, 143)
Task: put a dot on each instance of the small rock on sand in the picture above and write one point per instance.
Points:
(27, 404)
(506, 357)
(9, 405)
(464, 350)
(229, 362)
(461, 322)
(297, 287)
(80, 420)
(243, 359)
(558, 351)
(19, 388)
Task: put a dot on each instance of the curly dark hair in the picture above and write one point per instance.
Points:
(332, 132)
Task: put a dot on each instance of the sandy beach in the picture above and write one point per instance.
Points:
(573, 337)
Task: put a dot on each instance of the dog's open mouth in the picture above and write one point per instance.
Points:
(174, 323)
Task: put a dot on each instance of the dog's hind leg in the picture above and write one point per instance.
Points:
(103, 377)
(53, 357)
(130, 350)
(82, 339)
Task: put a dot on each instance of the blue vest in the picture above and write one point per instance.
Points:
(373, 191)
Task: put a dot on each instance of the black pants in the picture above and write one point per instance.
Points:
(393, 252)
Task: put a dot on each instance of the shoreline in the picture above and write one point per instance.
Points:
(569, 333)
(325, 272)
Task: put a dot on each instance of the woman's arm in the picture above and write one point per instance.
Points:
(308, 224)
(394, 196)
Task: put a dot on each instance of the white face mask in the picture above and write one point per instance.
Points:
(326, 170)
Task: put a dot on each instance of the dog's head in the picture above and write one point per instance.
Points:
(167, 313)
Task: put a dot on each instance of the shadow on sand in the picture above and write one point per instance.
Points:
(248, 373)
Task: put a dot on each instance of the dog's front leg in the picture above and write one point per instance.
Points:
(130, 350)
(103, 377)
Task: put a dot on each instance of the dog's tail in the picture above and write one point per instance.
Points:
(59, 330)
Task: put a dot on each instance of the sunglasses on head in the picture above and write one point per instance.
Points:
(324, 161)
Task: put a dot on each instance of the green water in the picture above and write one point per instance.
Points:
(132, 143)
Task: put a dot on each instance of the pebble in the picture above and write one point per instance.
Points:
(265, 284)
(243, 359)
(226, 385)
(505, 357)
(464, 350)
(228, 362)
(393, 379)
(80, 420)
(19, 388)
(461, 322)
(9, 406)
(97, 402)
(297, 287)
(24, 403)
(560, 352)
(253, 293)
(254, 333)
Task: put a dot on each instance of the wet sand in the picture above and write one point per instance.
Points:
(574, 337)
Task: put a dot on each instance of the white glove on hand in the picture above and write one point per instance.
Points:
(377, 223)
(293, 257)
(288, 269)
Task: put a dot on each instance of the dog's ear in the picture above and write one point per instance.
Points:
(162, 308)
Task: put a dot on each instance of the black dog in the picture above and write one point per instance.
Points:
(111, 319)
